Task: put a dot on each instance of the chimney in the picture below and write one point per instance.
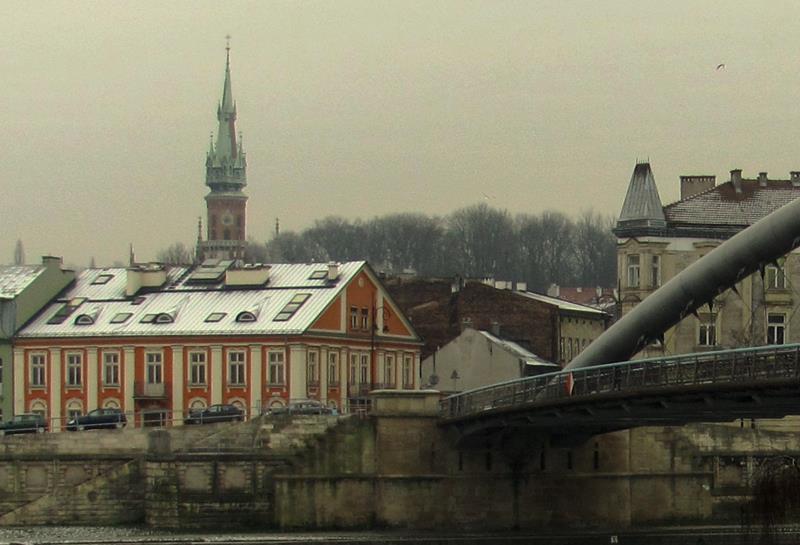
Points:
(333, 271)
(495, 328)
(522, 286)
(153, 275)
(736, 179)
(692, 185)
(553, 290)
(466, 323)
(762, 179)
(51, 261)
(795, 175)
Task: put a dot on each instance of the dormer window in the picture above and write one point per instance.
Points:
(246, 316)
(164, 318)
(102, 279)
(84, 319)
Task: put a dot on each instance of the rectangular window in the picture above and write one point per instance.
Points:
(276, 368)
(388, 371)
(707, 332)
(154, 368)
(37, 370)
(197, 368)
(408, 376)
(351, 378)
(365, 319)
(775, 278)
(312, 377)
(74, 366)
(655, 271)
(333, 368)
(353, 318)
(364, 375)
(236, 368)
(633, 271)
(111, 368)
(776, 328)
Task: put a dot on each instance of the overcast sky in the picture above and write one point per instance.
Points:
(362, 108)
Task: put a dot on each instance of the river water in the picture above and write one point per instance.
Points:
(77, 535)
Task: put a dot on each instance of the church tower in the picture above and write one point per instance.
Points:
(226, 177)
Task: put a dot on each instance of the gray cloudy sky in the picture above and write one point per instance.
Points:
(360, 108)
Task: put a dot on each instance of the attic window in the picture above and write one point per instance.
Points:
(84, 319)
(62, 314)
(148, 319)
(121, 317)
(318, 275)
(164, 318)
(138, 301)
(291, 307)
(246, 316)
(102, 279)
(215, 317)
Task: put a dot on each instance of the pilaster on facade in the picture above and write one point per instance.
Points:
(297, 371)
(129, 376)
(255, 378)
(19, 380)
(55, 391)
(91, 378)
(177, 384)
(216, 374)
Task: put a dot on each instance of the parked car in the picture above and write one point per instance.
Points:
(98, 419)
(24, 423)
(215, 413)
(303, 406)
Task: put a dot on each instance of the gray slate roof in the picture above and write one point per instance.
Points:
(642, 205)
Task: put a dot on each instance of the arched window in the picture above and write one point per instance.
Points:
(39, 407)
(74, 408)
(246, 316)
(111, 404)
(198, 403)
(84, 319)
(164, 318)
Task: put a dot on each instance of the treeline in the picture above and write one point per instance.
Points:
(477, 241)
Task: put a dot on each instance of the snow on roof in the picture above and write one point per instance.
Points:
(14, 279)
(520, 352)
(182, 308)
(560, 303)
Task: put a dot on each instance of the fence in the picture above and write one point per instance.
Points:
(744, 365)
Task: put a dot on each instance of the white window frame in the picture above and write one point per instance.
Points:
(237, 368)
(389, 376)
(74, 368)
(633, 262)
(154, 367)
(776, 330)
(408, 371)
(312, 367)
(775, 278)
(198, 370)
(655, 271)
(363, 370)
(333, 368)
(38, 369)
(277, 367)
(111, 367)
(707, 331)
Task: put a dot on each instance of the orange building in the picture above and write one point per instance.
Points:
(157, 342)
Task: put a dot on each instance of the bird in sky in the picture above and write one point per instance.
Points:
(721, 66)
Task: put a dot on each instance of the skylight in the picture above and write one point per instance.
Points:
(102, 279)
(215, 317)
(291, 307)
(318, 275)
(148, 319)
(121, 317)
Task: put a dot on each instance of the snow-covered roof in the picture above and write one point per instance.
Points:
(97, 305)
(14, 279)
(561, 303)
(529, 357)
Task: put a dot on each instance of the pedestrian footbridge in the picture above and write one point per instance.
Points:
(725, 385)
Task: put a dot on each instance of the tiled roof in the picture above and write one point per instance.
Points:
(14, 279)
(189, 306)
(721, 205)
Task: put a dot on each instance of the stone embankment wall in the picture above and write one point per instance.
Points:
(394, 469)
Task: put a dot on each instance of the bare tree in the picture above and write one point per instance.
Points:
(595, 250)
(481, 241)
(176, 254)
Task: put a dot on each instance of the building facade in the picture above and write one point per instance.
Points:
(158, 342)
(655, 242)
(226, 177)
(24, 291)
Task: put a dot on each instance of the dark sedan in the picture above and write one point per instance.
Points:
(215, 413)
(24, 423)
(98, 419)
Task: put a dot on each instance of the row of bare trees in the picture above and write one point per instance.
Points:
(476, 241)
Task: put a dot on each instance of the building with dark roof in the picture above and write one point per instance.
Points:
(655, 243)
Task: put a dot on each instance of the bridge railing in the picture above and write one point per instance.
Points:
(725, 366)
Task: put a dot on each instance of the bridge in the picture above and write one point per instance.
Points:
(725, 385)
